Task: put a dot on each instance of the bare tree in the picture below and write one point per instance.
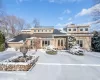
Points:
(36, 43)
(36, 23)
(21, 23)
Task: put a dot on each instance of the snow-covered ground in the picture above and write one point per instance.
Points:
(63, 66)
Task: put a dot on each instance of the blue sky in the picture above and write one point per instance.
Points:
(56, 13)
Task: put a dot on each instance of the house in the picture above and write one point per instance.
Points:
(50, 36)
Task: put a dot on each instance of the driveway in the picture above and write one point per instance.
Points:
(62, 66)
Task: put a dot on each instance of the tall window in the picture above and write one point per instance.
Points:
(42, 43)
(61, 42)
(31, 42)
(48, 42)
(80, 42)
(58, 42)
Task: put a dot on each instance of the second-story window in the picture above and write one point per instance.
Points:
(86, 29)
(81, 29)
(69, 29)
(74, 29)
(34, 30)
(45, 30)
(42, 30)
(38, 30)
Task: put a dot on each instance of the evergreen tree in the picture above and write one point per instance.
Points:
(2, 41)
(96, 42)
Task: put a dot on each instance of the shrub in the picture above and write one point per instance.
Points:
(52, 52)
(2, 48)
(2, 41)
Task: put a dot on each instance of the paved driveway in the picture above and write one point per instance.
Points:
(62, 66)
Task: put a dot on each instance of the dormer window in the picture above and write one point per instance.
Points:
(69, 29)
(86, 29)
(81, 29)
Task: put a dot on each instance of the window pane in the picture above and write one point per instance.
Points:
(45, 42)
(42, 43)
(48, 42)
(58, 42)
(69, 29)
(77, 41)
(81, 43)
(61, 42)
(81, 29)
(86, 29)
(31, 42)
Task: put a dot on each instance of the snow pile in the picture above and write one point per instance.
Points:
(21, 41)
(11, 39)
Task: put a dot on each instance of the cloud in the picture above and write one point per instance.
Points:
(60, 18)
(66, 11)
(62, 25)
(70, 19)
(20, 1)
(63, 1)
(89, 10)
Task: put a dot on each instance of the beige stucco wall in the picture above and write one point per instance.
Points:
(15, 45)
(86, 42)
(55, 43)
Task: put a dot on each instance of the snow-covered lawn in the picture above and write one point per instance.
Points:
(63, 66)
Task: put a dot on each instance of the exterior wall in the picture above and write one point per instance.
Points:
(77, 27)
(86, 42)
(55, 43)
(15, 45)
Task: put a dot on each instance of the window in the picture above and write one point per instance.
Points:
(42, 43)
(58, 42)
(74, 29)
(61, 42)
(31, 42)
(45, 30)
(42, 30)
(34, 30)
(86, 29)
(81, 29)
(38, 30)
(80, 42)
(48, 42)
(69, 29)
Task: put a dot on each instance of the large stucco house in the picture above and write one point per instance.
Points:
(50, 36)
